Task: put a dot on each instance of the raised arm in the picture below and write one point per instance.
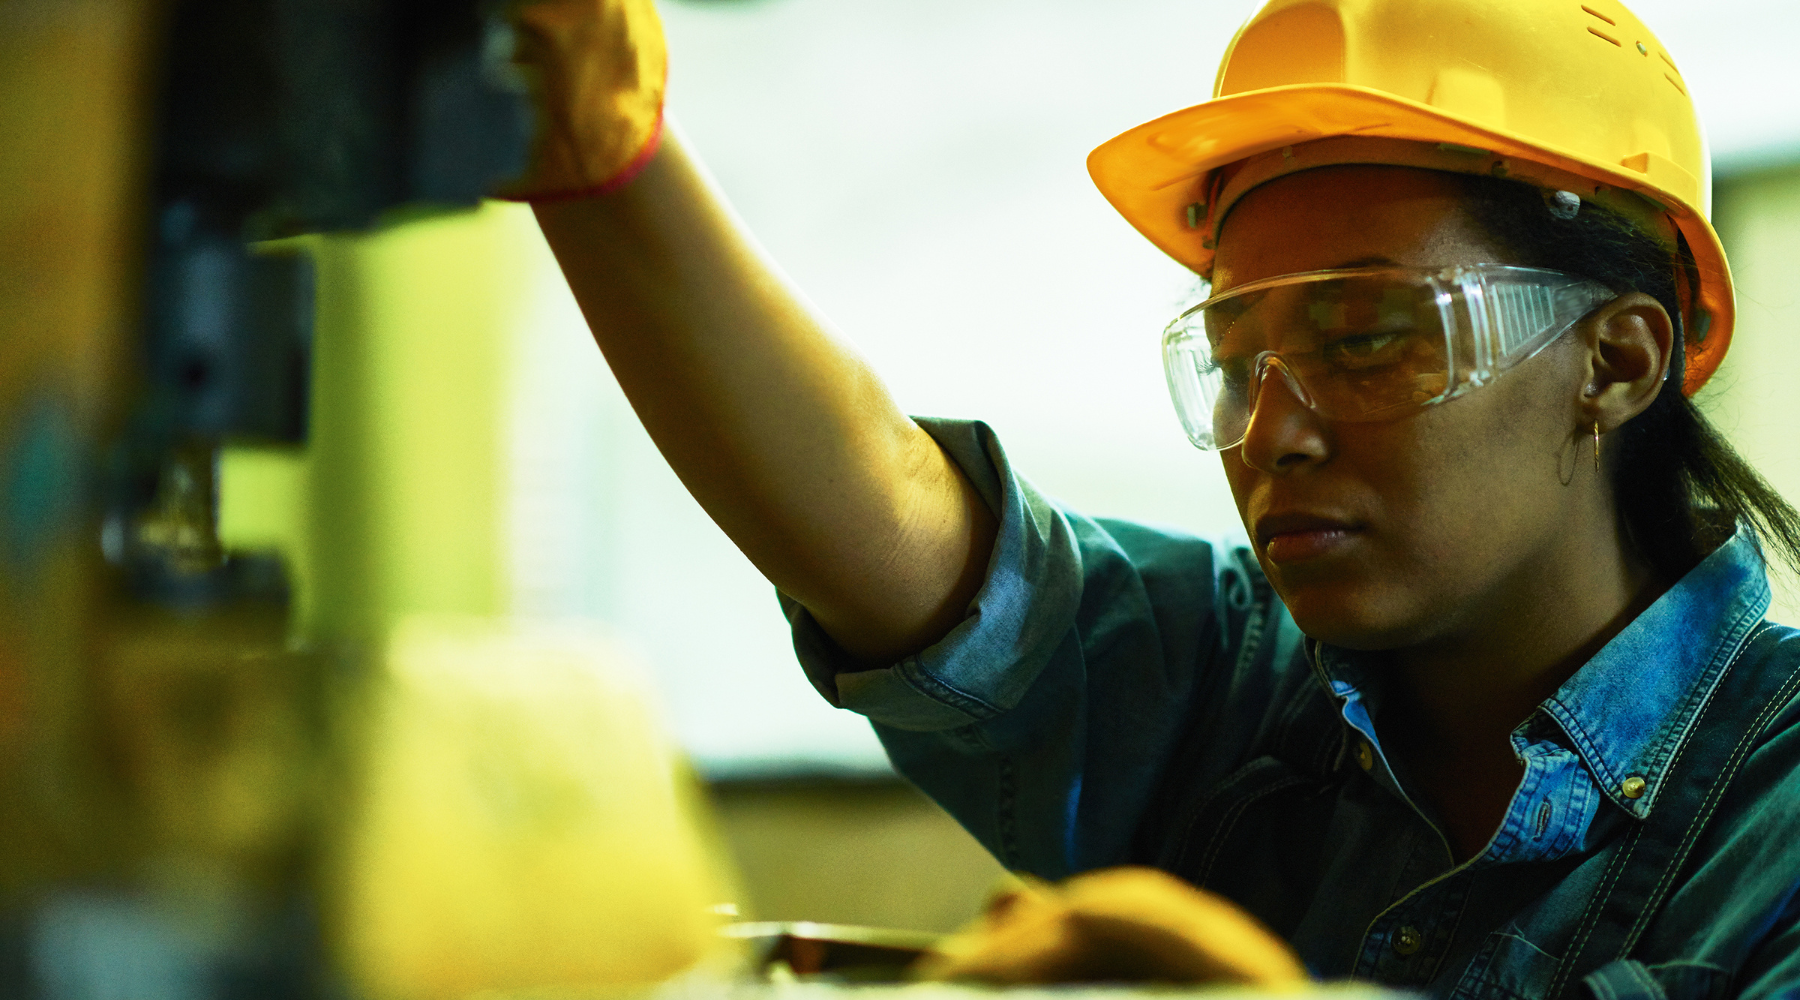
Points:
(783, 434)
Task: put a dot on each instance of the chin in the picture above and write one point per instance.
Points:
(1365, 618)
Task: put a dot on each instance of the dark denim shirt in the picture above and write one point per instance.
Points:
(1128, 694)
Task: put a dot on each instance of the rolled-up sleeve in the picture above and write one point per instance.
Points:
(1044, 720)
(984, 666)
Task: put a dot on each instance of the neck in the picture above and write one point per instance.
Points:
(1471, 687)
(1460, 697)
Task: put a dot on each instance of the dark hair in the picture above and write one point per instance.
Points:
(1680, 487)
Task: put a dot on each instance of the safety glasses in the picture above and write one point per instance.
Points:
(1363, 344)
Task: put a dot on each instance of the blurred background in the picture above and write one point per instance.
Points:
(464, 454)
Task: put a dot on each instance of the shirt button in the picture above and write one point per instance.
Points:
(1365, 755)
(1632, 787)
(1408, 940)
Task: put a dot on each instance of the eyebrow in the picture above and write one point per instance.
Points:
(1375, 260)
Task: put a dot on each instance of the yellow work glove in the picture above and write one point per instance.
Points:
(1114, 925)
(596, 69)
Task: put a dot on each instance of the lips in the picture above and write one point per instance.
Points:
(1295, 536)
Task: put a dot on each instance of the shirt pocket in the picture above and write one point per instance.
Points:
(1509, 966)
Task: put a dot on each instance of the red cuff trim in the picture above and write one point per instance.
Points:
(611, 184)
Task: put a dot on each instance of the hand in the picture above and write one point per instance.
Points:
(597, 70)
(1118, 925)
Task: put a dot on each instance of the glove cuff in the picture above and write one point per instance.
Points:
(625, 176)
(598, 70)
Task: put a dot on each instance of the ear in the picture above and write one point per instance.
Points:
(1630, 341)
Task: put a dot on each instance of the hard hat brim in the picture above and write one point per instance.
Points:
(1153, 173)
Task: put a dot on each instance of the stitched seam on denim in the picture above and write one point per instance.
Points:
(1462, 908)
(1328, 754)
(1641, 984)
(1009, 840)
(913, 672)
(1583, 792)
(1290, 717)
(1236, 813)
(1688, 963)
(1193, 820)
(1527, 942)
(1712, 799)
(1228, 822)
(1329, 751)
(1511, 833)
(1466, 985)
(1719, 979)
(1602, 988)
(1646, 981)
(1590, 748)
(1187, 833)
(1411, 895)
(1469, 985)
(1667, 754)
(1590, 914)
(1291, 711)
(1502, 993)
(972, 736)
(1314, 663)
(1761, 717)
(1717, 789)
(1193, 823)
(1715, 794)
(1261, 610)
(1329, 758)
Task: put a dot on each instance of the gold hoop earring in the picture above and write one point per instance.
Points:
(1596, 446)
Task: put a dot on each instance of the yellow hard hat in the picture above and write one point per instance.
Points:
(1562, 94)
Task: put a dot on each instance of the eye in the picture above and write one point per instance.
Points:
(1235, 370)
(1365, 350)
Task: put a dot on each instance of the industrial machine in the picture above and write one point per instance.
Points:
(206, 797)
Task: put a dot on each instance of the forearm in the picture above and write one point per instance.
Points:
(783, 434)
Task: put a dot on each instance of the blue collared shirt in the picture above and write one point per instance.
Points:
(1126, 694)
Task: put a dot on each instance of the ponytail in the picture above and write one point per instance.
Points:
(1679, 487)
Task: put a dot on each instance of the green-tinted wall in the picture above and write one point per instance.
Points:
(1753, 398)
(396, 504)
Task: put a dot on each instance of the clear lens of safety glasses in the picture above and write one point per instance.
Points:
(1363, 344)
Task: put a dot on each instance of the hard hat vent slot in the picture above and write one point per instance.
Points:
(1599, 15)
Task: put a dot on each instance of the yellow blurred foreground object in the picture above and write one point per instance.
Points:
(522, 822)
(213, 720)
(1114, 925)
(697, 988)
(1561, 95)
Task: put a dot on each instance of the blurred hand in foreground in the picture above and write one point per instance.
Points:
(1116, 925)
(596, 69)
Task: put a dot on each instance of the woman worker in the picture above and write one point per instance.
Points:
(1484, 706)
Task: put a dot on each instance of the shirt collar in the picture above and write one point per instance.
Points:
(1629, 708)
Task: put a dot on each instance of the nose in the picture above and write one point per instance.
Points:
(1284, 433)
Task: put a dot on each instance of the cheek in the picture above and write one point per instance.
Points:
(1483, 490)
(1458, 498)
(1241, 480)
